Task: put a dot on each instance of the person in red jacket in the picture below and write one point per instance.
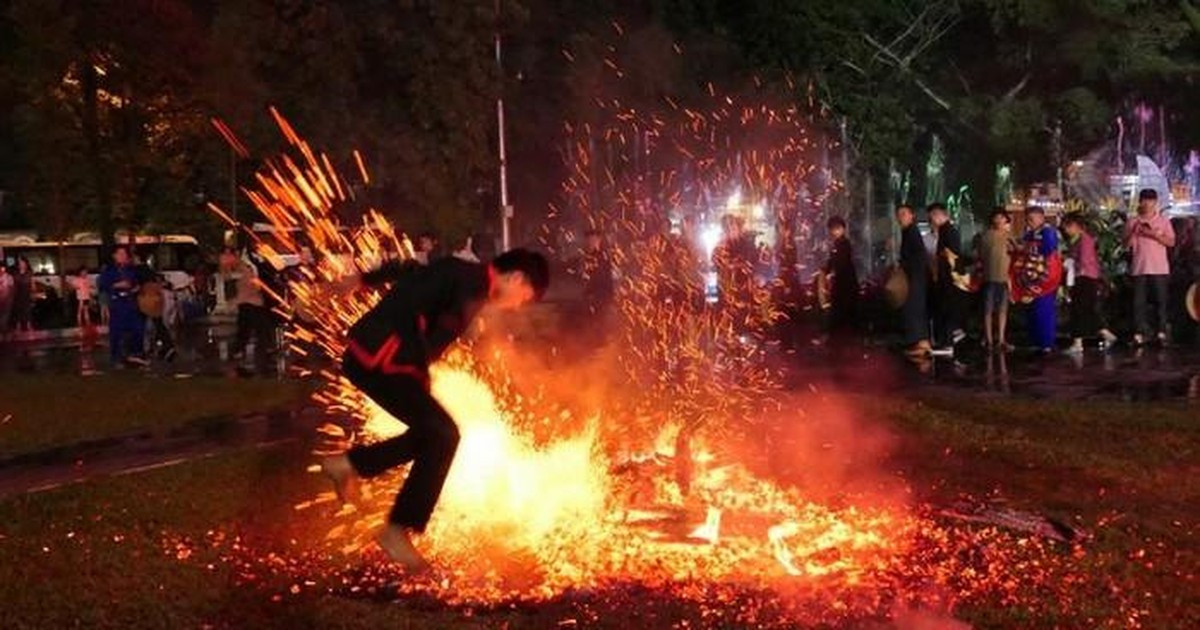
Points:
(387, 358)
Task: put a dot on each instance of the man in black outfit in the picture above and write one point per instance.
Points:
(843, 283)
(948, 299)
(914, 260)
(387, 358)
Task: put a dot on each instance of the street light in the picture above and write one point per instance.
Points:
(505, 209)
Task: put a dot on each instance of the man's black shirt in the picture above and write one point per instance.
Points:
(424, 311)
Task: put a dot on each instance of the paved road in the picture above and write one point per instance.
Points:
(1119, 375)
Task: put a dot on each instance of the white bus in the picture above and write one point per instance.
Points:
(175, 256)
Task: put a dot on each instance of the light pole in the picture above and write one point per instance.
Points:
(505, 209)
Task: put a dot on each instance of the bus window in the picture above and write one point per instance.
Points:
(42, 260)
(85, 256)
(171, 256)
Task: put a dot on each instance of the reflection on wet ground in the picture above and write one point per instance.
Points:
(144, 450)
(1119, 375)
(1122, 373)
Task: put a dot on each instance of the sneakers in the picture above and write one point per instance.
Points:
(1075, 348)
(137, 361)
(1163, 340)
(1139, 340)
(957, 336)
(942, 351)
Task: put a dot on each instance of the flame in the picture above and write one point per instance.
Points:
(524, 517)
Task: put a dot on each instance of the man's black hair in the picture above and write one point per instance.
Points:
(429, 235)
(1035, 210)
(999, 212)
(835, 222)
(531, 264)
(1147, 194)
(904, 206)
(936, 207)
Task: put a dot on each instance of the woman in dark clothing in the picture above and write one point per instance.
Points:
(22, 306)
(843, 281)
(914, 260)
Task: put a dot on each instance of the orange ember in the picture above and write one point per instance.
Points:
(530, 518)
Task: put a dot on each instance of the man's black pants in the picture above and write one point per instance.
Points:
(1142, 286)
(429, 443)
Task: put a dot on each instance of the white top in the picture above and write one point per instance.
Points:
(83, 287)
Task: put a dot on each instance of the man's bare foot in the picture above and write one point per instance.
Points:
(341, 473)
(396, 543)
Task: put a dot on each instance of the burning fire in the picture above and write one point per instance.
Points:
(525, 518)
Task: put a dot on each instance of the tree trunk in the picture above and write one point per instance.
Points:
(91, 132)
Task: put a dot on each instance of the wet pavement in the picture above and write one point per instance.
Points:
(146, 450)
(1122, 374)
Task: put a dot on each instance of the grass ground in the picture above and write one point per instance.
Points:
(41, 411)
(92, 555)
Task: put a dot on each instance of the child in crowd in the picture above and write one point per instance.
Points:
(82, 283)
(1086, 318)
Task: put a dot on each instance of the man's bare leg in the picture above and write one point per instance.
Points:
(987, 328)
(343, 476)
(396, 542)
(1002, 317)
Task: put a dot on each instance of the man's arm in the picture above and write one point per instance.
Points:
(390, 271)
(1166, 236)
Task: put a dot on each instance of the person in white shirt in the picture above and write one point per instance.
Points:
(82, 283)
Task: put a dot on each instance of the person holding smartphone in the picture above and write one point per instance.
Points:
(1148, 236)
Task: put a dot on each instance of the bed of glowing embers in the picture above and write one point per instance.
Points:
(564, 525)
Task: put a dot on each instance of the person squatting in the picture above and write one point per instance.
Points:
(387, 358)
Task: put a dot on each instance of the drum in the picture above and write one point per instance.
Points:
(895, 287)
(1193, 301)
(1034, 275)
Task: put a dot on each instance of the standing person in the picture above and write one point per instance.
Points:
(126, 326)
(1086, 317)
(388, 356)
(22, 302)
(995, 251)
(7, 288)
(1041, 252)
(596, 271)
(1185, 271)
(842, 280)
(947, 298)
(426, 246)
(1148, 235)
(254, 317)
(152, 301)
(82, 284)
(466, 250)
(914, 260)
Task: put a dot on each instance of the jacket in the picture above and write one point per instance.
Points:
(426, 309)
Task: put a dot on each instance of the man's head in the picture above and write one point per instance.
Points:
(1073, 224)
(1000, 220)
(521, 276)
(938, 215)
(1147, 202)
(593, 240)
(904, 215)
(426, 242)
(1036, 216)
(121, 255)
(836, 226)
